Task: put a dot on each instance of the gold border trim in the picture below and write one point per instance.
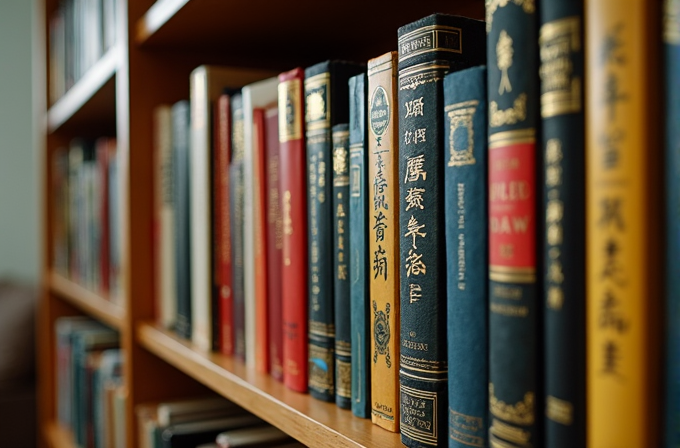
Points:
(503, 139)
(512, 278)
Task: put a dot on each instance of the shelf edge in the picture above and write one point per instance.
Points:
(157, 16)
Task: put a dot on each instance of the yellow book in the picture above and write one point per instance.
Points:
(383, 197)
(623, 247)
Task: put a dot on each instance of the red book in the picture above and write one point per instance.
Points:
(274, 241)
(261, 314)
(222, 224)
(106, 149)
(293, 188)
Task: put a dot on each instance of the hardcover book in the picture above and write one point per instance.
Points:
(326, 104)
(358, 262)
(563, 212)
(623, 223)
(383, 239)
(293, 187)
(429, 48)
(465, 196)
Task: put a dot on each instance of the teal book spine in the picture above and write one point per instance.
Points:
(465, 194)
(341, 262)
(428, 49)
(358, 228)
(563, 212)
(326, 104)
(515, 337)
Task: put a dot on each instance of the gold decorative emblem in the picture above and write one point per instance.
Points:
(671, 28)
(340, 160)
(504, 52)
(461, 136)
(520, 413)
(528, 6)
(316, 106)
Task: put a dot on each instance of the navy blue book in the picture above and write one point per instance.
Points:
(237, 244)
(429, 48)
(467, 264)
(563, 146)
(180, 148)
(358, 228)
(515, 335)
(326, 104)
(671, 39)
(341, 262)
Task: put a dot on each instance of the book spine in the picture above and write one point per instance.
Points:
(293, 188)
(563, 212)
(222, 224)
(671, 70)
(180, 142)
(321, 299)
(236, 189)
(383, 239)
(341, 263)
(60, 214)
(358, 228)
(102, 200)
(465, 195)
(514, 365)
(272, 207)
(622, 223)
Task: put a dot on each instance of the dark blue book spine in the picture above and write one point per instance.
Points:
(180, 145)
(671, 38)
(341, 262)
(428, 49)
(358, 228)
(236, 192)
(515, 366)
(563, 147)
(467, 264)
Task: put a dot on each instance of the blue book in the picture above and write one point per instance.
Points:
(671, 38)
(358, 228)
(465, 195)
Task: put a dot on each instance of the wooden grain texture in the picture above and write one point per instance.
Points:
(312, 422)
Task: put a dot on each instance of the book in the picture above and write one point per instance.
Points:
(383, 239)
(255, 437)
(255, 95)
(623, 223)
(671, 123)
(182, 199)
(206, 84)
(109, 374)
(222, 277)
(341, 262)
(358, 262)
(563, 212)
(428, 49)
(190, 434)
(164, 218)
(116, 272)
(274, 221)
(106, 151)
(293, 187)
(326, 104)
(60, 215)
(467, 264)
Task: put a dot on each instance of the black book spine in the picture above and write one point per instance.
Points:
(180, 144)
(342, 240)
(563, 141)
(428, 49)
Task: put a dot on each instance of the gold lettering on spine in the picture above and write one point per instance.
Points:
(290, 110)
(511, 115)
(561, 91)
(559, 411)
(287, 226)
(520, 413)
(671, 24)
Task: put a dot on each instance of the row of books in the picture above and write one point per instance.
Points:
(81, 31)
(85, 188)
(90, 391)
(205, 422)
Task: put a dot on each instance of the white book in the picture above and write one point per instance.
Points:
(206, 85)
(164, 204)
(258, 94)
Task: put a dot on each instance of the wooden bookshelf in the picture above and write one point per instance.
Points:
(58, 436)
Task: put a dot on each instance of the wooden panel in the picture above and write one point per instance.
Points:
(58, 436)
(313, 422)
(87, 301)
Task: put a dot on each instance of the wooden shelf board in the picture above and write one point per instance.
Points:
(58, 437)
(91, 99)
(300, 29)
(312, 422)
(88, 301)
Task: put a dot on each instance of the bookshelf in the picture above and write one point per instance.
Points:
(158, 44)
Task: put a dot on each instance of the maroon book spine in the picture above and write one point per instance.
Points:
(104, 147)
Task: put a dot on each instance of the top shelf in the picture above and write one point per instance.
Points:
(304, 28)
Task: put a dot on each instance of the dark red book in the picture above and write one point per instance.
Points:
(222, 282)
(272, 208)
(293, 188)
(106, 149)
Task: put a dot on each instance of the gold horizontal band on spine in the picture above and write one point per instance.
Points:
(434, 31)
(317, 80)
(512, 278)
(341, 134)
(341, 181)
(512, 269)
(424, 378)
(559, 103)
(556, 28)
(503, 139)
(425, 66)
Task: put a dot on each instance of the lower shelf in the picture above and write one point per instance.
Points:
(312, 422)
(58, 437)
